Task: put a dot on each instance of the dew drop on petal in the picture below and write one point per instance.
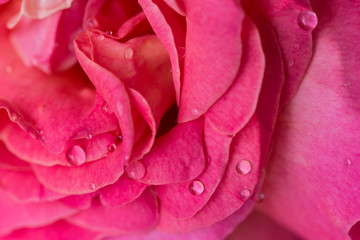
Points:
(347, 162)
(108, 32)
(100, 37)
(243, 167)
(291, 63)
(136, 170)
(260, 197)
(90, 22)
(196, 187)
(307, 20)
(129, 53)
(245, 193)
(296, 46)
(105, 108)
(76, 155)
(14, 116)
(92, 186)
(89, 136)
(111, 147)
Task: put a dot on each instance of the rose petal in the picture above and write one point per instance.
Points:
(216, 36)
(137, 216)
(47, 43)
(295, 42)
(258, 226)
(57, 231)
(15, 215)
(232, 111)
(317, 154)
(171, 32)
(177, 156)
(177, 199)
(121, 192)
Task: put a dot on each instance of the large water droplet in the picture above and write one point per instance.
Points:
(243, 167)
(76, 155)
(136, 170)
(307, 20)
(347, 162)
(245, 193)
(196, 187)
(129, 53)
(92, 186)
(100, 37)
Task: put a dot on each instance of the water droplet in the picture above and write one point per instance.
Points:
(260, 197)
(111, 147)
(196, 187)
(8, 69)
(245, 193)
(105, 155)
(119, 139)
(136, 170)
(39, 132)
(76, 155)
(106, 109)
(243, 167)
(296, 46)
(195, 112)
(347, 162)
(89, 136)
(100, 37)
(291, 63)
(90, 22)
(14, 116)
(307, 20)
(108, 32)
(129, 52)
(92, 186)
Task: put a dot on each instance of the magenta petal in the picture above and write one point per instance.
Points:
(177, 199)
(232, 111)
(170, 32)
(60, 230)
(315, 163)
(258, 226)
(137, 216)
(18, 179)
(177, 156)
(82, 179)
(295, 42)
(121, 192)
(15, 215)
(212, 56)
(47, 43)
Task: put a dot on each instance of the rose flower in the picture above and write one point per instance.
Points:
(158, 119)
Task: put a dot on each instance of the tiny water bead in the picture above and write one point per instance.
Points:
(90, 22)
(100, 37)
(89, 136)
(245, 193)
(14, 116)
(129, 53)
(92, 186)
(111, 147)
(307, 20)
(105, 108)
(243, 167)
(108, 32)
(76, 155)
(347, 162)
(136, 170)
(196, 187)
(260, 197)
(291, 63)
(296, 46)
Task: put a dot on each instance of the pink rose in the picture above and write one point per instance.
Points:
(154, 120)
